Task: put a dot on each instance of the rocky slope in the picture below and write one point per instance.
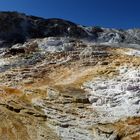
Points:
(17, 28)
(68, 88)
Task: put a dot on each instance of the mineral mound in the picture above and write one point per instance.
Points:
(63, 81)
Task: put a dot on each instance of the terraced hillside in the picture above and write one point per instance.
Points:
(64, 88)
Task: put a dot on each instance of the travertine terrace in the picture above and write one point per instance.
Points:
(61, 88)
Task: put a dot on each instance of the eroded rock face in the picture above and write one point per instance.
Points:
(77, 90)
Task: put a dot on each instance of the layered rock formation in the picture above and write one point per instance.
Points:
(73, 91)
(68, 88)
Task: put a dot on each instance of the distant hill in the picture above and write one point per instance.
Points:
(18, 27)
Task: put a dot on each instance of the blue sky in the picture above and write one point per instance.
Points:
(106, 13)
